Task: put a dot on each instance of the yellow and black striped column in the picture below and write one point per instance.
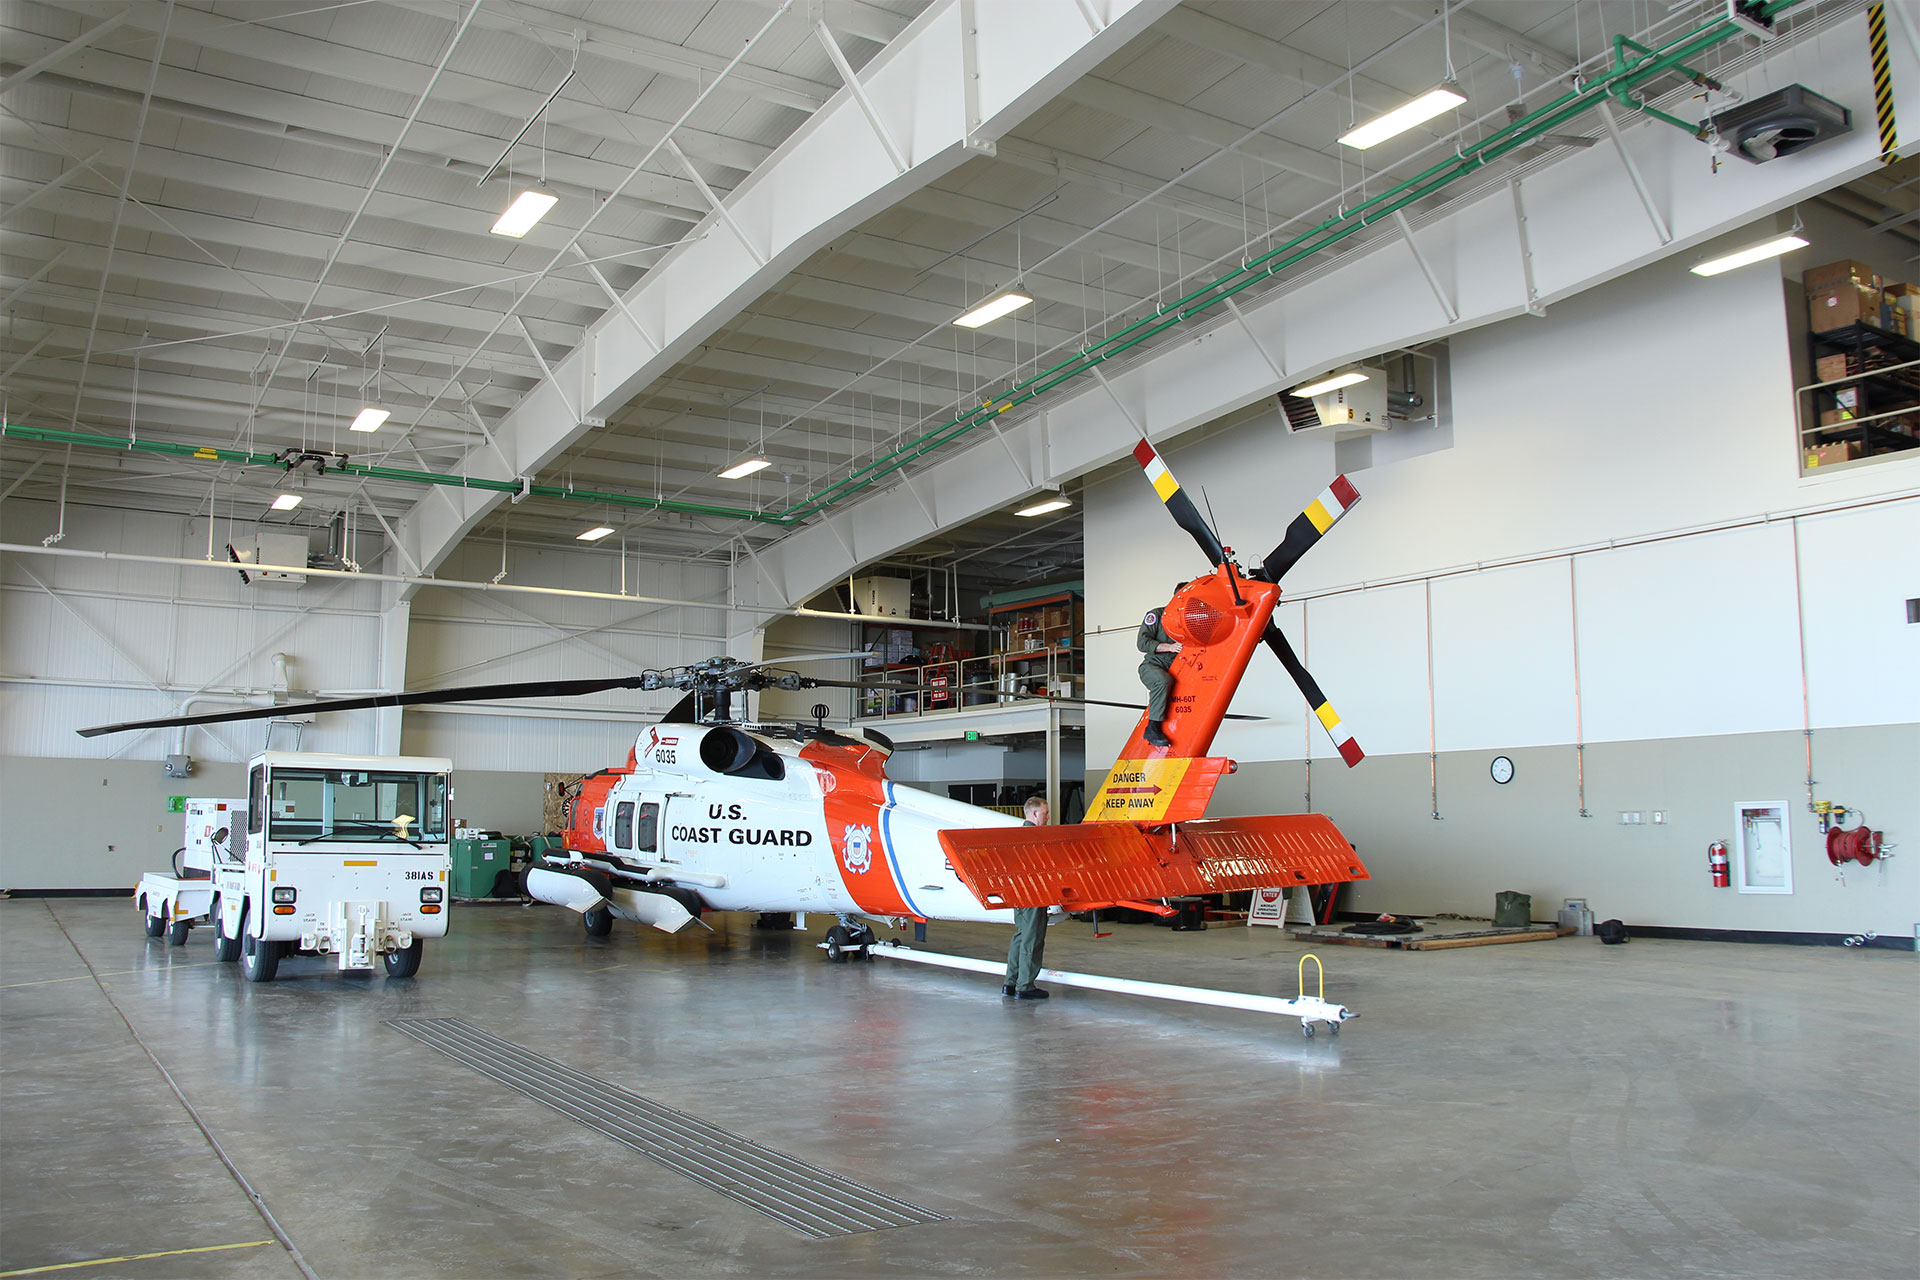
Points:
(1882, 81)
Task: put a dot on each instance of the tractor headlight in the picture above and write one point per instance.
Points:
(431, 894)
(283, 893)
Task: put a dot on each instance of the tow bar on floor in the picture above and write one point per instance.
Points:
(1309, 1009)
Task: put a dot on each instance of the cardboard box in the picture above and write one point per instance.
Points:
(1899, 289)
(1832, 274)
(1841, 306)
(1831, 368)
(1828, 454)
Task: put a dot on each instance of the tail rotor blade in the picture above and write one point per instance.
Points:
(1178, 504)
(1322, 709)
(466, 693)
(1321, 514)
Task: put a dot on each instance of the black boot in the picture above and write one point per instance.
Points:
(1007, 990)
(1156, 736)
(1030, 993)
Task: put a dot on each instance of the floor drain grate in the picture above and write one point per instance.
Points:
(808, 1199)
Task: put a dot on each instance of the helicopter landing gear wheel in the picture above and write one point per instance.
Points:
(598, 922)
(840, 944)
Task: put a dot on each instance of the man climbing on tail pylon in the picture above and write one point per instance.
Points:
(1155, 671)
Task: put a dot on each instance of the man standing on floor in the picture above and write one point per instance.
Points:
(1029, 929)
(1155, 671)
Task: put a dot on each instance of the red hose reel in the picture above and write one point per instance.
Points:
(1861, 845)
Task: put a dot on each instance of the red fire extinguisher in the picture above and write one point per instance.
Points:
(1717, 864)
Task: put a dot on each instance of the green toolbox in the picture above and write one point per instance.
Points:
(475, 864)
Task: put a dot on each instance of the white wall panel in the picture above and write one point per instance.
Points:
(1369, 653)
(1690, 637)
(1503, 657)
(1858, 569)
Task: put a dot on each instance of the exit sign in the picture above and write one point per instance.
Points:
(973, 735)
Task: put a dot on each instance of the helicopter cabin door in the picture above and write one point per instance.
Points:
(635, 834)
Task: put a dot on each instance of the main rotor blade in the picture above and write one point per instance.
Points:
(1321, 515)
(1179, 505)
(465, 693)
(1050, 697)
(801, 657)
(1322, 709)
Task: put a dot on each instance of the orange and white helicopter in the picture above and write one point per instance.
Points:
(707, 814)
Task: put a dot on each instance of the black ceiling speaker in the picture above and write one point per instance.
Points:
(1781, 123)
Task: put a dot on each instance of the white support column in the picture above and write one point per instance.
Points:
(396, 617)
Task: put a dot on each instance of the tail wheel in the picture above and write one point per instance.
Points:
(224, 948)
(259, 957)
(406, 962)
(599, 922)
(156, 925)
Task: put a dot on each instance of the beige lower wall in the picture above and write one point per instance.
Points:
(101, 824)
(1529, 836)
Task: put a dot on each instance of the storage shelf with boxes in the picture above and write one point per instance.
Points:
(1864, 402)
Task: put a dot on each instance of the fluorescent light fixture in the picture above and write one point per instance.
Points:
(594, 534)
(286, 502)
(1752, 253)
(1041, 508)
(745, 467)
(1325, 385)
(1404, 117)
(523, 213)
(369, 419)
(992, 309)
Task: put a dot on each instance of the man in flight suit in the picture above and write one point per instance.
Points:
(1155, 673)
(1029, 930)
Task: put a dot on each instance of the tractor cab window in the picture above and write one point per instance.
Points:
(319, 806)
(649, 833)
(623, 825)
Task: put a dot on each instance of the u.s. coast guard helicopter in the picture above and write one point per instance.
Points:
(707, 814)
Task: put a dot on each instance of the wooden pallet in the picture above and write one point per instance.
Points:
(1432, 937)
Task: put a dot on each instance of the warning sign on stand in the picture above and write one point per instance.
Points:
(1269, 906)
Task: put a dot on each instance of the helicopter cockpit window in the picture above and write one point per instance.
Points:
(649, 832)
(623, 825)
(314, 806)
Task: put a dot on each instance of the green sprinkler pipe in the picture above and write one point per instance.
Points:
(1626, 73)
(406, 475)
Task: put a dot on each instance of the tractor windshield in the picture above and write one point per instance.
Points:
(317, 806)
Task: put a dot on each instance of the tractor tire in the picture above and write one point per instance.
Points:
(177, 932)
(259, 957)
(156, 925)
(406, 962)
(224, 948)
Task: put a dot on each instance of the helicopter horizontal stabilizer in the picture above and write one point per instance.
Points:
(1093, 864)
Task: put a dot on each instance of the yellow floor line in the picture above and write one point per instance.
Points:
(134, 1257)
(117, 973)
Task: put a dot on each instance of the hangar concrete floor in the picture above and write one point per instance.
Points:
(1556, 1109)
